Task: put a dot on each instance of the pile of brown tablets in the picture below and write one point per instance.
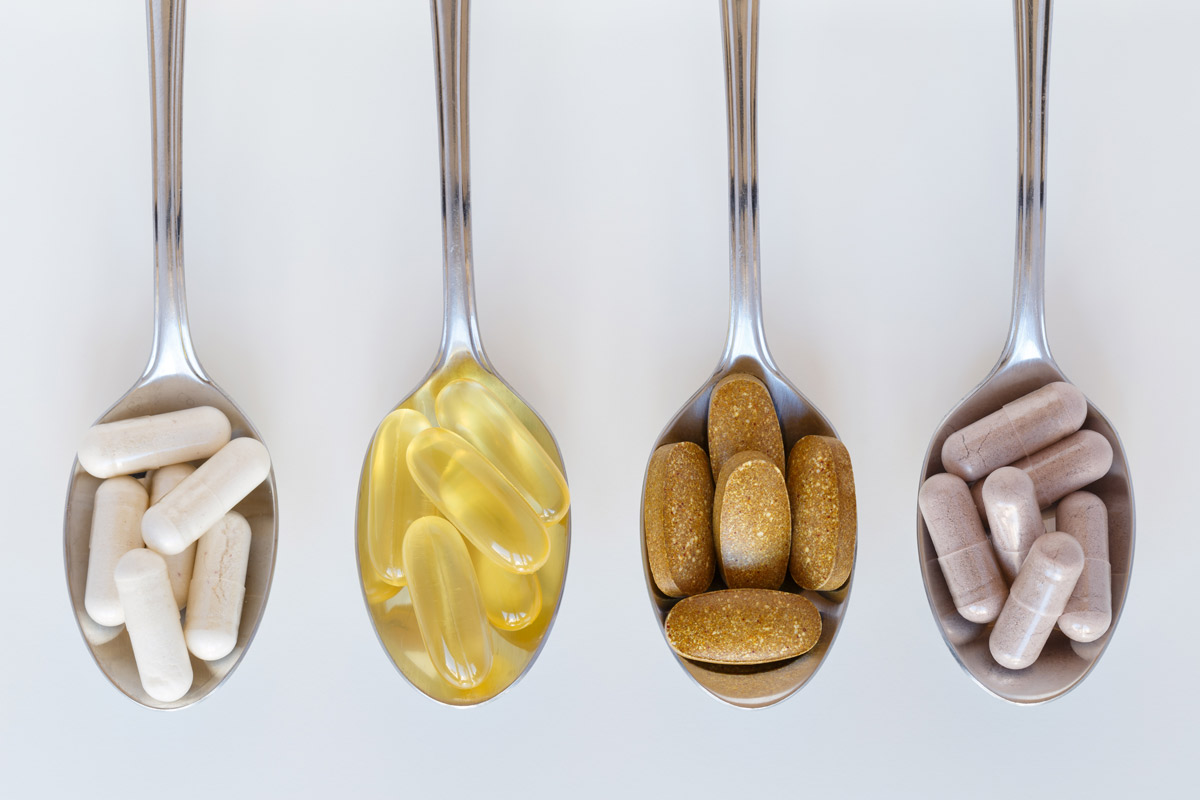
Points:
(741, 511)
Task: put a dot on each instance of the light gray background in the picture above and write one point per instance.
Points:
(887, 154)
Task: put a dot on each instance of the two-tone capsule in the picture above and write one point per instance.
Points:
(964, 553)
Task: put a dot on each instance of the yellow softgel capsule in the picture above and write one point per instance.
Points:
(478, 500)
(394, 501)
(472, 411)
(510, 600)
(447, 602)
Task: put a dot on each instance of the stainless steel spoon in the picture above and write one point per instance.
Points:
(1025, 365)
(173, 379)
(746, 352)
(460, 355)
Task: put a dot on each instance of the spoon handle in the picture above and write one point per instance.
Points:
(739, 24)
(460, 331)
(172, 349)
(1027, 335)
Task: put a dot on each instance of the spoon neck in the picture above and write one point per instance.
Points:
(172, 347)
(1027, 334)
(739, 25)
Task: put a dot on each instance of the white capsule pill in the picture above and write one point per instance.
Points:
(214, 606)
(1038, 597)
(203, 497)
(141, 443)
(965, 556)
(1089, 611)
(179, 566)
(116, 529)
(1013, 516)
(152, 619)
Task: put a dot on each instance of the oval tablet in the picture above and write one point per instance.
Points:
(743, 626)
(1020, 428)
(741, 417)
(141, 443)
(152, 619)
(218, 589)
(820, 485)
(964, 554)
(678, 519)
(116, 529)
(1038, 597)
(394, 501)
(752, 523)
(1088, 613)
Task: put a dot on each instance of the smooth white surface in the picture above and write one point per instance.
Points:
(887, 156)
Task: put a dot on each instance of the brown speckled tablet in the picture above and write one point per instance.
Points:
(820, 484)
(752, 523)
(741, 417)
(743, 626)
(678, 519)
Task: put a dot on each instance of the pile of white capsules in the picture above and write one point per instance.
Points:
(178, 545)
(1030, 456)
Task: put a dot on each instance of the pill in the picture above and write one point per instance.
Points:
(214, 606)
(152, 619)
(743, 626)
(752, 523)
(179, 566)
(1089, 611)
(447, 602)
(394, 501)
(964, 553)
(475, 413)
(820, 485)
(1038, 597)
(741, 417)
(511, 600)
(1013, 517)
(678, 519)
(478, 500)
(134, 445)
(1020, 428)
(116, 529)
(203, 497)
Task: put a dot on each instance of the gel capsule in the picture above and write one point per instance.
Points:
(1020, 428)
(203, 497)
(473, 412)
(510, 600)
(116, 529)
(1013, 516)
(1038, 597)
(152, 619)
(1089, 611)
(477, 499)
(214, 610)
(134, 445)
(179, 566)
(447, 602)
(964, 554)
(394, 501)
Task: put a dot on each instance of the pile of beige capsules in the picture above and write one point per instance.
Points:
(763, 521)
(179, 545)
(1025, 458)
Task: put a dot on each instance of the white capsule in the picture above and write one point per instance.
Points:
(152, 620)
(214, 606)
(141, 443)
(203, 497)
(116, 529)
(179, 566)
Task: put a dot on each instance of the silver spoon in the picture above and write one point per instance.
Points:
(1025, 365)
(746, 352)
(173, 379)
(460, 355)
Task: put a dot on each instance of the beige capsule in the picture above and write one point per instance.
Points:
(1038, 597)
(116, 529)
(180, 565)
(741, 417)
(752, 523)
(1064, 467)
(820, 485)
(743, 626)
(1013, 517)
(1088, 614)
(678, 519)
(964, 554)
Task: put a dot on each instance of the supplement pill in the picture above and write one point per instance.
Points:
(152, 619)
(179, 566)
(214, 608)
(752, 523)
(1020, 428)
(1038, 597)
(134, 445)
(394, 501)
(1013, 517)
(741, 417)
(820, 485)
(964, 554)
(743, 626)
(116, 529)
(1089, 611)
(678, 519)
(1068, 465)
